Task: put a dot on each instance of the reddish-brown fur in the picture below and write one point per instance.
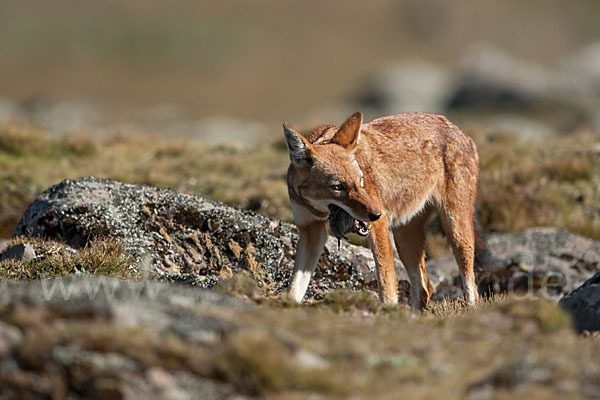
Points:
(402, 166)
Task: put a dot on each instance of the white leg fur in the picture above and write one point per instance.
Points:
(299, 285)
(307, 255)
(469, 291)
(310, 245)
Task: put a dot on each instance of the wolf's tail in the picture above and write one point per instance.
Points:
(484, 259)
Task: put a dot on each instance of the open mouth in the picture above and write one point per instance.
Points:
(342, 223)
(360, 227)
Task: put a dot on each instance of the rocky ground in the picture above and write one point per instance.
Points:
(91, 336)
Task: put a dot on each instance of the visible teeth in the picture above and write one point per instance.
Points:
(361, 228)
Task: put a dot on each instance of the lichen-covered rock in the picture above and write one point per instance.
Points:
(190, 239)
(584, 305)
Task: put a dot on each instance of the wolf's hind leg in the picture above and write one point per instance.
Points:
(460, 232)
(410, 243)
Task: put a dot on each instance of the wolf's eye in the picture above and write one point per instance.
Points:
(338, 187)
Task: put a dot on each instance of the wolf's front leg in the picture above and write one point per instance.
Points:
(310, 246)
(383, 253)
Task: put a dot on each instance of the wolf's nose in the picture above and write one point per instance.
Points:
(374, 216)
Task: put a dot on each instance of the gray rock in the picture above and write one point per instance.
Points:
(584, 305)
(491, 76)
(580, 80)
(582, 67)
(19, 252)
(490, 81)
(493, 88)
(552, 260)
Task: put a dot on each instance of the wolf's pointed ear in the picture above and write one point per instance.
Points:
(347, 134)
(298, 147)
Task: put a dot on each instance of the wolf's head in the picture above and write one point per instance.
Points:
(328, 173)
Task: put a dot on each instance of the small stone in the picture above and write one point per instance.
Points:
(3, 244)
(19, 252)
(307, 359)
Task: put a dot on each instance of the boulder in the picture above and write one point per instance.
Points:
(580, 76)
(490, 77)
(491, 87)
(584, 305)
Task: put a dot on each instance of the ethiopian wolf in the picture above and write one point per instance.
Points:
(392, 172)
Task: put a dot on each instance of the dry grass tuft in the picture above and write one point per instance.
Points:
(448, 308)
(101, 257)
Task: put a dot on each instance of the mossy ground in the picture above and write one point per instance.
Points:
(501, 348)
(344, 346)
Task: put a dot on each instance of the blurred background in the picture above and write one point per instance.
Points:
(83, 85)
